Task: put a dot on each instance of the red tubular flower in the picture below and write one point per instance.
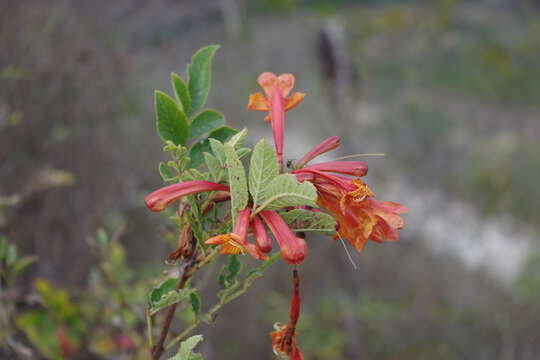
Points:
(237, 242)
(162, 198)
(356, 168)
(284, 338)
(263, 241)
(276, 101)
(293, 249)
(326, 145)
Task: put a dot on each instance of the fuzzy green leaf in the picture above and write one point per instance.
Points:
(305, 220)
(169, 298)
(200, 76)
(181, 92)
(284, 191)
(171, 121)
(217, 149)
(166, 172)
(228, 276)
(164, 287)
(263, 168)
(204, 122)
(237, 180)
(238, 139)
(186, 349)
(214, 166)
(242, 152)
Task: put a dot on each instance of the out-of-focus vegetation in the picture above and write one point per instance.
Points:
(448, 89)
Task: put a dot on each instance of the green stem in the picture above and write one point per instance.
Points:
(149, 329)
(210, 313)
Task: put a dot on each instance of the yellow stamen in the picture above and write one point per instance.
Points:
(362, 191)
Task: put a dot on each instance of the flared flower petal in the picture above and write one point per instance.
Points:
(326, 145)
(230, 244)
(294, 100)
(237, 242)
(293, 249)
(160, 199)
(276, 101)
(359, 216)
(258, 102)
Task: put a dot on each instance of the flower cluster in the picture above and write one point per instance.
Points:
(360, 217)
(337, 187)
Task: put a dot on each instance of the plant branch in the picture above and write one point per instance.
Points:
(214, 309)
(158, 349)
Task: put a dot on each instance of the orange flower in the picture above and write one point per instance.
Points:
(276, 101)
(236, 242)
(359, 216)
(284, 337)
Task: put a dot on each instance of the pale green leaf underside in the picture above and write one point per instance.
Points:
(186, 349)
(217, 149)
(214, 166)
(238, 139)
(263, 169)
(169, 298)
(306, 221)
(237, 180)
(284, 191)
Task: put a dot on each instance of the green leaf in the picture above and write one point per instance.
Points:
(229, 274)
(171, 121)
(102, 237)
(284, 191)
(181, 92)
(169, 298)
(305, 220)
(214, 166)
(195, 300)
(204, 122)
(196, 153)
(242, 152)
(166, 172)
(237, 180)
(252, 276)
(194, 174)
(200, 76)
(22, 264)
(263, 168)
(40, 328)
(186, 349)
(217, 149)
(164, 287)
(223, 133)
(11, 254)
(233, 267)
(238, 139)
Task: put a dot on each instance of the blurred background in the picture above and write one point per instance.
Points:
(447, 89)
